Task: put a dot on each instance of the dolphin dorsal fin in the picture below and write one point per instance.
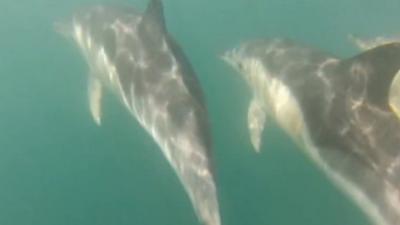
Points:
(154, 15)
(374, 70)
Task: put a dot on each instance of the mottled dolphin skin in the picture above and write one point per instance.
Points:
(133, 55)
(343, 113)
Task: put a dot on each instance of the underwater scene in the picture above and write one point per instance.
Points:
(212, 112)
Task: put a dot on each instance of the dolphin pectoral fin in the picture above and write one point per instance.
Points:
(394, 94)
(95, 93)
(256, 121)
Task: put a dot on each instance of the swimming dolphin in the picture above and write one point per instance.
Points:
(133, 55)
(343, 113)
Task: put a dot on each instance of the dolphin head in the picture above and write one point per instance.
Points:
(236, 58)
(248, 57)
(92, 22)
(78, 26)
(245, 61)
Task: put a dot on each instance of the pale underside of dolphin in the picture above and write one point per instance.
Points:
(133, 55)
(344, 113)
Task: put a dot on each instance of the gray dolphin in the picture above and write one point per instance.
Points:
(133, 55)
(343, 113)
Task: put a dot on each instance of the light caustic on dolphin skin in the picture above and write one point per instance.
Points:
(133, 55)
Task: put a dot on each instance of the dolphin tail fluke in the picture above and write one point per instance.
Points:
(206, 204)
(195, 172)
(359, 43)
(256, 122)
(394, 95)
(95, 94)
(366, 44)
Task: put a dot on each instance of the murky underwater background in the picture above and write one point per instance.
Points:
(58, 168)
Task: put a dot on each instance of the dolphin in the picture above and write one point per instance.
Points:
(343, 113)
(133, 55)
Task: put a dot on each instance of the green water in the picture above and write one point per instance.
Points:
(58, 168)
